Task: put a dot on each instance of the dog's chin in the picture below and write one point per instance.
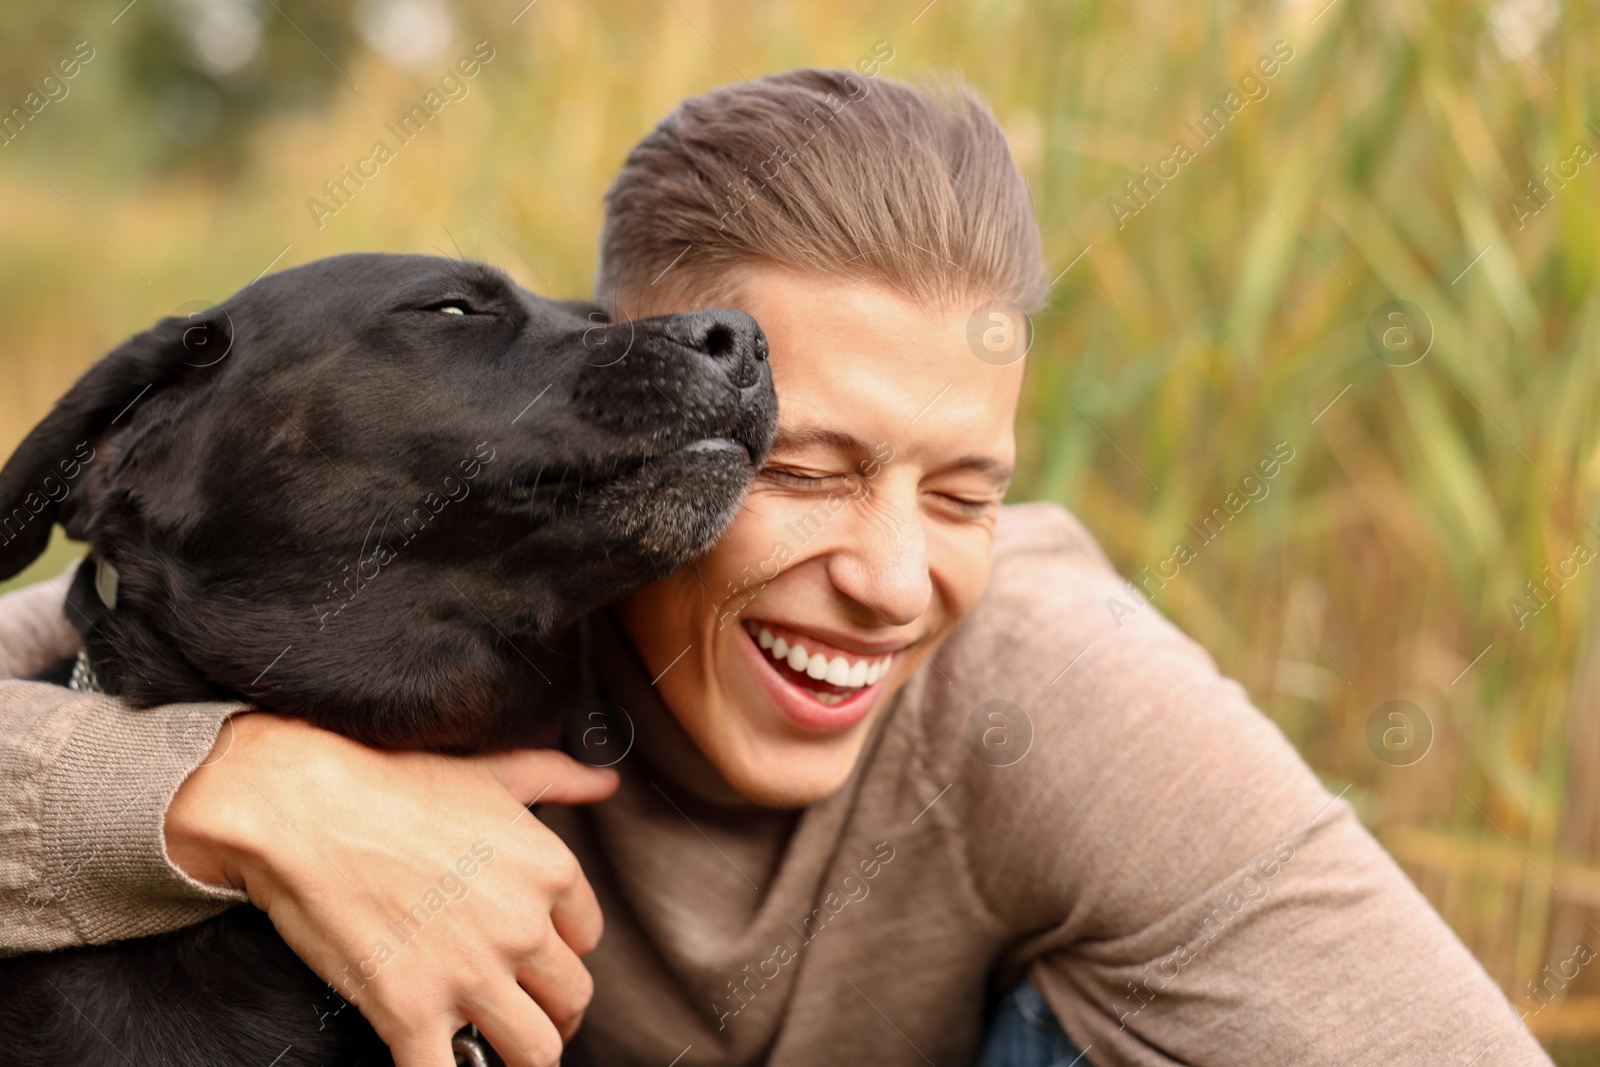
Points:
(672, 509)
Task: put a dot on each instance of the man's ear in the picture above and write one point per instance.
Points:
(39, 483)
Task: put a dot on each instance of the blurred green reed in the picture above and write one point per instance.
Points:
(1225, 315)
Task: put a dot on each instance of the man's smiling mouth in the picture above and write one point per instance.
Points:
(827, 673)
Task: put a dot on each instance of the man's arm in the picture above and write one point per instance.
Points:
(1187, 890)
(87, 781)
(334, 840)
(34, 631)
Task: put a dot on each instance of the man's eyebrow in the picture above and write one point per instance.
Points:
(818, 435)
(991, 468)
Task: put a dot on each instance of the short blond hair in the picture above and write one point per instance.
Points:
(827, 172)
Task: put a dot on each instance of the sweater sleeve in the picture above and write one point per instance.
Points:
(1180, 886)
(34, 631)
(85, 781)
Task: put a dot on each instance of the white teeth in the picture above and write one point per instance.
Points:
(843, 671)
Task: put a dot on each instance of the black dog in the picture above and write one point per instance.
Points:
(369, 491)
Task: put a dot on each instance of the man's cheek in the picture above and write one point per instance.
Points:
(958, 565)
(735, 573)
(747, 541)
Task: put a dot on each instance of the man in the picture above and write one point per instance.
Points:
(881, 757)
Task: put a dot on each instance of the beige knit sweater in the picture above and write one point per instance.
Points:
(1131, 833)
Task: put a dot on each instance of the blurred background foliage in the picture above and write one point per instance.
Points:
(1191, 329)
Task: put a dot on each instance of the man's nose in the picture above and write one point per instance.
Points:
(884, 563)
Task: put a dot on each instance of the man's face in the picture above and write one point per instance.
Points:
(864, 540)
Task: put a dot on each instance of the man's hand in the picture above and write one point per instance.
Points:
(417, 884)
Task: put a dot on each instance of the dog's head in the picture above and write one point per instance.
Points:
(369, 490)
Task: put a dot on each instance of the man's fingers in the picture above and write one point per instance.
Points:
(560, 984)
(422, 1049)
(551, 777)
(515, 1026)
(575, 913)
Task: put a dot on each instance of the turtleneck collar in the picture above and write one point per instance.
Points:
(638, 722)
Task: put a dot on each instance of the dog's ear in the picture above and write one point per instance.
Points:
(39, 483)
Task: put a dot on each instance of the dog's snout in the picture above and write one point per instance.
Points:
(724, 336)
(707, 368)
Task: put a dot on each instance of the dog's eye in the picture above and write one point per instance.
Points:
(451, 307)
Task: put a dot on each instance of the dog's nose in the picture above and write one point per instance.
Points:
(719, 332)
(723, 335)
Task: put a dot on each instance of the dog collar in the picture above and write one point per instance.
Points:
(107, 581)
(83, 678)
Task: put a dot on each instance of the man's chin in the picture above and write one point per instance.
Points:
(777, 776)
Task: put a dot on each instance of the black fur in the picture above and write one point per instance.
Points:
(333, 498)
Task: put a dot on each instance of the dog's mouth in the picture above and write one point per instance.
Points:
(722, 444)
(557, 484)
